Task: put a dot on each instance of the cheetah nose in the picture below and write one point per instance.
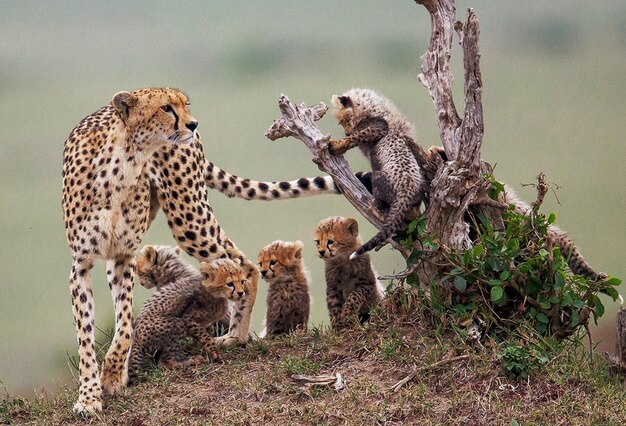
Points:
(263, 272)
(240, 293)
(321, 252)
(192, 125)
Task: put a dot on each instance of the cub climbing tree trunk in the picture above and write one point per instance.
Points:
(456, 184)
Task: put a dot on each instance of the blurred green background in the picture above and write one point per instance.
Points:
(554, 101)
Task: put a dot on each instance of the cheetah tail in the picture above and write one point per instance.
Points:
(247, 189)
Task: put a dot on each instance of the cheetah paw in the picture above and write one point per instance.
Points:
(111, 382)
(227, 340)
(86, 408)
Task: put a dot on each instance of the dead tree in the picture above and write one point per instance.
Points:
(456, 184)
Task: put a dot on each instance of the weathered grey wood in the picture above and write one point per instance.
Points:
(458, 183)
(619, 357)
(298, 121)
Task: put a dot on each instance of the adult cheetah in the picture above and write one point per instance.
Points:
(121, 164)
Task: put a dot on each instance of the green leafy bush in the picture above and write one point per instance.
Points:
(512, 273)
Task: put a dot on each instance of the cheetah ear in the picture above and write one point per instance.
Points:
(205, 270)
(341, 101)
(351, 225)
(345, 101)
(123, 102)
(149, 252)
(178, 251)
(298, 246)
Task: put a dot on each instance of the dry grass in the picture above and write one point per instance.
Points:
(255, 385)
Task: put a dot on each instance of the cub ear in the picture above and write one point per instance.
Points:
(341, 101)
(150, 254)
(346, 102)
(123, 102)
(298, 246)
(178, 251)
(351, 225)
(206, 271)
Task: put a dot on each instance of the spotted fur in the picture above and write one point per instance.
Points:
(183, 305)
(384, 136)
(234, 186)
(351, 285)
(121, 164)
(288, 301)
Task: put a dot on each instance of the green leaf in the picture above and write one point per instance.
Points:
(478, 251)
(613, 281)
(542, 318)
(559, 280)
(545, 304)
(497, 293)
(514, 422)
(412, 226)
(612, 293)
(543, 253)
(575, 318)
(599, 311)
(551, 218)
(460, 283)
(578, 304)
(495, 282)
(504, 275)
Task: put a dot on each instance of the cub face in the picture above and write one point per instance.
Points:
(150, 258)
(156, 115)
(336, 236)
(356, 104)
(224, 278)
(278, 258)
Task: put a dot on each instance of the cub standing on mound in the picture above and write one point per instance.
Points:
(288, 301)
(185, 304)
(351, 285)
(384, 136)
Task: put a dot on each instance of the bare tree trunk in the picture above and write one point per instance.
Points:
(459, 182)
(619, 358)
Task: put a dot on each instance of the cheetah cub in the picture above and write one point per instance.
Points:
(351, 285)
(288, 301)
(385, 138)
(186, 303)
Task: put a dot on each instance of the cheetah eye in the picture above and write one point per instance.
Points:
(272, 262)
(330, 242)
(167, 108)
(317, 242)
(230, 284)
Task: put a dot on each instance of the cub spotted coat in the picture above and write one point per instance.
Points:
(288, 301)
(185, 304)
(384, 136)
(351, 285)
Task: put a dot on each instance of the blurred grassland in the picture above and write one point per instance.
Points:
(554, 101)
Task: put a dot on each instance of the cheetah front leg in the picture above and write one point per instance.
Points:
(90, 391)
(239, 329)
(120, 272)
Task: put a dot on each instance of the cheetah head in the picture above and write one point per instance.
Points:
(155, 116)
(356, 104)
(151, 261)
(224, 278)
(336, 236)
(277, 258)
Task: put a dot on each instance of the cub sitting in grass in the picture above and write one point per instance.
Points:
(185, 304)
(288, 301)
(351, 285)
